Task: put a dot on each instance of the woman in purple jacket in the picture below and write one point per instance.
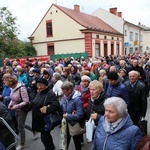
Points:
(19, 98)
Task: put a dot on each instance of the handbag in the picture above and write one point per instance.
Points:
(142, 124)
(90, 127)
(24, 108)
(76, 129)
(51, 120)
(63, 135)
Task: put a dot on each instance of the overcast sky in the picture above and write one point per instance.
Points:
(30, 12)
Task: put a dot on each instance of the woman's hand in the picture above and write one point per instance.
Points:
(65, 115)
(94, 116)
(44, 109)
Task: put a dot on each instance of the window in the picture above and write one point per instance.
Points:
(136, 36)
(125, 32)
(105, 37)
(49, 28)
(50, 49)
(131, 36)
(97, 36)
(97, 50)
(131, 50)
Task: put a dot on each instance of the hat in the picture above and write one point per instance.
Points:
(85, 77)
(36, 70)
(31, 69)
(112, 75)
(45, 72)
(43, 81)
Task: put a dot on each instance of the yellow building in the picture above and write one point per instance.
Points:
(63, 30)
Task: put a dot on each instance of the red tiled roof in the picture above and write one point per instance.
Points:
(88, 21)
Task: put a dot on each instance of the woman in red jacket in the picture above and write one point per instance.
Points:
(84, 89)
(85, 92)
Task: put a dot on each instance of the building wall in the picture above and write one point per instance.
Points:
(71, 46)
(111, 19)
(64, 29)
(101, 40)
(131, 45)
(146, 41)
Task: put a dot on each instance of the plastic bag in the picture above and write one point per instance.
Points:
(90, 127)
(63, 135)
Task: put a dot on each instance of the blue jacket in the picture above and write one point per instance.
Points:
(71, 104)
(23, 78)
(124, 137)
(6, 98)
(118, 90)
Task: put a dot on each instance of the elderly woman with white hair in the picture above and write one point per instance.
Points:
(57, 84)
(115, 129)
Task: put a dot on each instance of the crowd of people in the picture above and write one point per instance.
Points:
(111, 90)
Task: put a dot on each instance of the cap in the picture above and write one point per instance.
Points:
(36, 70)
(43, 81)
(112, 75)
(85, 77)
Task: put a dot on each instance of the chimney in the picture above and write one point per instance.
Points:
(77, 8)
(139, 23)
(113, 10)
(120, 14)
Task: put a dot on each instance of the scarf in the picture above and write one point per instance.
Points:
(84, 90)
(110, 127)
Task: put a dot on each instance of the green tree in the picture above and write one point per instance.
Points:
(27, 49)
(8, 33)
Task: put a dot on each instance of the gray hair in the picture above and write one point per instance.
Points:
(67, 86)
(57, 76)
(118, 103)
(96, 84)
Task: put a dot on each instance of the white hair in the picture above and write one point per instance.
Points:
(118, 103)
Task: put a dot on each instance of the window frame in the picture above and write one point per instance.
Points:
(49, 30)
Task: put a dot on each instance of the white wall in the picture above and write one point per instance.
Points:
(111, 19)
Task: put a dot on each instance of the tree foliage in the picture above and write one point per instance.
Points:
(10, 45)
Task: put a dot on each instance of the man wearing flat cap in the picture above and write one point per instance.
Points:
(116, 88)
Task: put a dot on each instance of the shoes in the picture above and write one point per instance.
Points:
(35, 136)
(20, 147)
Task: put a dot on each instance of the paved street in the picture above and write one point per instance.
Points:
(37, 145)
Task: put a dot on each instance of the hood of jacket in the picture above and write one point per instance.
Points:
(20, 84)
(73, 95)
(125, 123)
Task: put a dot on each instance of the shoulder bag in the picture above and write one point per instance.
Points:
(76, 127)
(27, 106)
(142, 124)
(51, 120)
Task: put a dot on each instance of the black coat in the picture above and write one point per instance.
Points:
(96, 106)
(6, 137)
(140, 70)
(44, 98)
(138, 99)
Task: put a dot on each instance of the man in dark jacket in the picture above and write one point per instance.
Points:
(137, 95)
(138, 68)
(116, 88)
